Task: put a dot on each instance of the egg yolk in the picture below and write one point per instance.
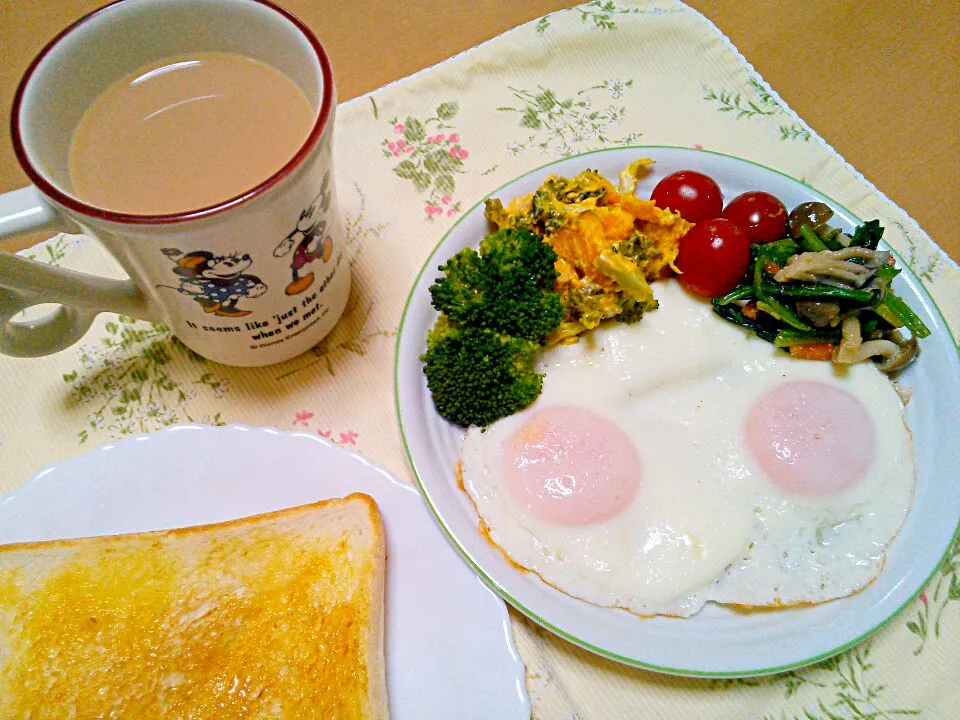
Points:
(570, 466)
(810, 438)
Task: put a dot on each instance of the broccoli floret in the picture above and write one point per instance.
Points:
(508, 287)
(496, 306)
(496, 214)
(628, 276)
(560, 198)
(591, 305)
(633, 310)
(552, 205)
(476, 375)
(638, 248)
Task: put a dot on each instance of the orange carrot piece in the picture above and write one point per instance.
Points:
(812, 351)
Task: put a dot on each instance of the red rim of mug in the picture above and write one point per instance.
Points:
(76, 205)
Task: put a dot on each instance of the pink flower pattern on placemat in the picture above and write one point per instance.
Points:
(429, 157)
(303, 419)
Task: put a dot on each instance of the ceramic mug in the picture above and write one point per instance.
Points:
(254, 280)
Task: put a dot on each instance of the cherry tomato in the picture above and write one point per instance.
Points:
(694, 195)
(761, 214)
(713, 256)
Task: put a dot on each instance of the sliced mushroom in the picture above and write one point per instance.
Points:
(848, 351)
(895, 353)
(886, 349)
(909, 349)
(833, 266)
(820, 313)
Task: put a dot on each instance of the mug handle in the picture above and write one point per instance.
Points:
(24, 283)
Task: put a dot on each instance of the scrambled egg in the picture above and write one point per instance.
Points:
(610, 244)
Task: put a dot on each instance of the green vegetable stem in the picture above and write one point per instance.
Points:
(802, 312)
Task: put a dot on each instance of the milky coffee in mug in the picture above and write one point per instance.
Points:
(187, 132)
(193, 139)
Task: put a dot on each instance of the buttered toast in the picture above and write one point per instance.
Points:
(278, 615)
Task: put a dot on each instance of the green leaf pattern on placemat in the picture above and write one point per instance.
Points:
(845, 688)
(127, 381)
(52, 251)
(352, 335)
(598, 13)
(754, 101)
(601, 15)
(923, 263)
(567, 125)
(942, 591)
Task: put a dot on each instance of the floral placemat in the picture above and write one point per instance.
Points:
(411, 158)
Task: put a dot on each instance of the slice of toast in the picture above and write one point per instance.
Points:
(278, 615)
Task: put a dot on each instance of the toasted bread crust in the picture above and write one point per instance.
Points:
(275, 615)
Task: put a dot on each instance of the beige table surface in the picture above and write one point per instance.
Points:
(879, 80)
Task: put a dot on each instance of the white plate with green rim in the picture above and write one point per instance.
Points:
(449, 641)
(717, 641)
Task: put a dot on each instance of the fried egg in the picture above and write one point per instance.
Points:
(681, 461)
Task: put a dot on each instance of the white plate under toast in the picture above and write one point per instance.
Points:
(449, 642)
(717, 641)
